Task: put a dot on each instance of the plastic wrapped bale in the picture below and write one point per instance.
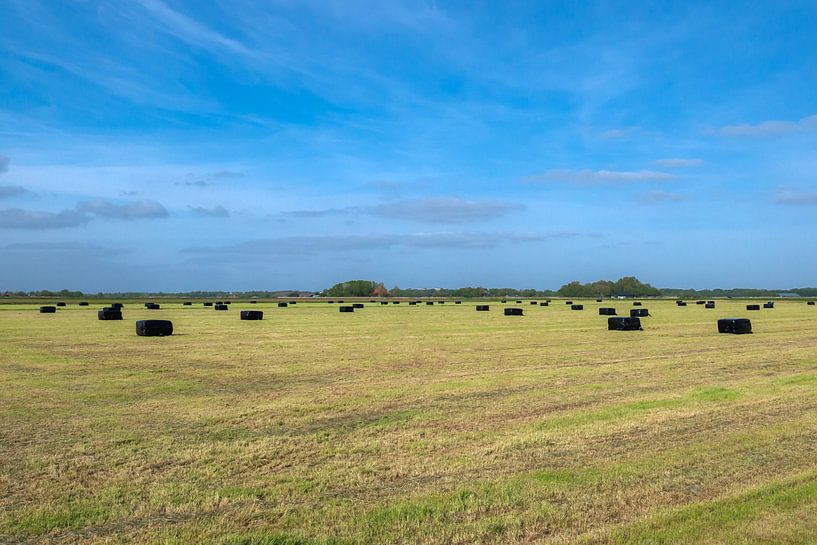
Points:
(709, 305)
(624, 323)
(282, 305)
(83, 303)
(153, 306)
(372, 301)
(752, 307)
(598, 300)
(504, 301)
(219, 302)
(636, 303)
(429, 303)
(810, 303)
(639, 312)
(346, 309)
(252, 315)
(545, 304)
(607, 311)
(534, 303)
(700, 302)
(341, 301)
(568, 302)
(395, 302)
(109, 313)
(383, 302)
(331, 302)
(483, 308)
(768, 305)
(737, 326)
(457, 302)
(511, 311)
(357, 305)
(147, 305)
(187, 304)
(680, 303)
(710, 302)
(48, 310)
(519, 302)
(413, 303)
(293, 302)
(253, 302)
(154, 328)
(576, 307)
(208, 304)
(60, 304)
(228, 302)
(221, 307)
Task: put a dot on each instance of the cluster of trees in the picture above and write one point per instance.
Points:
(352, 288)
(627, 286)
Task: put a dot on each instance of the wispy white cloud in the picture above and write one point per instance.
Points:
(678, 163)
(144, 209)
(657, 197)
(771, 127)
(796, 198)
(217, 211)
(446, 210)
(590, 177)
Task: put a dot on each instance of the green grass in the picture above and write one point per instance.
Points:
(401, 424)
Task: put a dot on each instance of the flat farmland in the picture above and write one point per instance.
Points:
(408, 424)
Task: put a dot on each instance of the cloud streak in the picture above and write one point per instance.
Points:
(217, 211)
(678, 163)
(659, 197)
(12, 191)
(796, 199)
(770, 128)
(445, 210)
(144, 209)
(599, 177)
(84, 212)
(4, 164)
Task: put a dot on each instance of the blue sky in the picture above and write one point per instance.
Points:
(168, 145)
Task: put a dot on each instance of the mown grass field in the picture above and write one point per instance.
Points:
(401, 424)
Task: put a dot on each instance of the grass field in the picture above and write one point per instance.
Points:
(401, 424)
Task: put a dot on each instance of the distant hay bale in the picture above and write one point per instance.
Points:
(639, 312)
(154, 328)
(752, 307)
(207, 304)
(534, 303)
(253, 302)
(340, 301)
(545, 304)
(624, 323)
(346, 309)
(187, 303)
(568, 302)
(48, 310)
(737, 326)
(221, 307)
(681, 303)
(60, 304)
(457, 302)
(710, 304)
(700, 302)
(331, 302)
(153, 306)
(504, 301)
(83, 303)
(810, 303)
(252, 315)
(511, 311)
(519, 302)
(483, 308)
(109, 313)
(607, 311)
(576, 307)
(282, 305)
(219, 302)
(383, 302)
(429, 303)
(228, 302)
(636, 303)
(293, 302)
(412, 303)
(770, 304)
(395, 302)
(598, 300)
(357, 305)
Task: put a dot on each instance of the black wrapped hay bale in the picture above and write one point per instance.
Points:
(221, 307)
(810, 303)
(710, 304)
(700, 302)
(607, 311)
(282, 305)
(293, 302)
(413, 303)
(457, 302)
(568, 302)
(383, 302)
(219, 302)
(228, 302)
(346, 309)
(483, 308)
(253, 302)
(534, 303)
(60, 304)
(768, 305)
(545, 304)
(83, 303)
(252, 315)
(519, 302)
(429, 303)
(357, 305)
(511, 311)
(154, 328)
(48, 310)
(187, 304)
(624, 323)
(737, 326)
(341, 301)
(636, 303)
(680, 303)
(504, 301)
(109, 313)
(395, 302)
(117, 305)
(153, 306)
(331, 302)
(208, 304)
(752, 307)
(598, 300)
(576, 307)
(639, 312)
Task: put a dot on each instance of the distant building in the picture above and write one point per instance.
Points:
(380, 291)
